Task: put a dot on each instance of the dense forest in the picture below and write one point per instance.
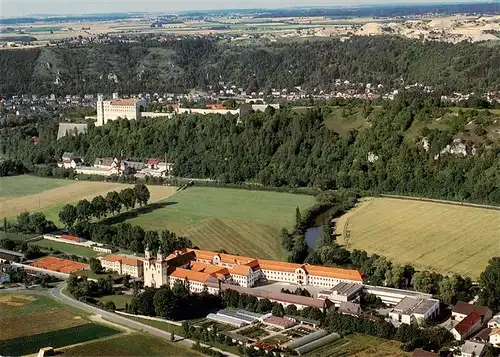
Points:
(178, 66)
(286, 148)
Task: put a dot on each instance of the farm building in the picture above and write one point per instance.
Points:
(413, 309)
(279, 322)
(392, 296)
(316, 343)
(303, 320)
(306, 339)
(342, 292)
(229, 320)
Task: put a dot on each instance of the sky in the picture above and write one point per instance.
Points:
(14, 8)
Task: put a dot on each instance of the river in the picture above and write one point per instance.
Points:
(312, 236)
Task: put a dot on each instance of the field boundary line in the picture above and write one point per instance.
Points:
(433, 200)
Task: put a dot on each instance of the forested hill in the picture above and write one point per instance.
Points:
(260, 65)
(285, 148)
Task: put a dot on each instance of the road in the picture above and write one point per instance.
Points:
(57, 294)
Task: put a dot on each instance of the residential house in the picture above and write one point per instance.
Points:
(473, 349)
(466, 327)
(70, 161)
(495, 337)
(483, 335)
(106, 163)
(495, 321)
(462, 309)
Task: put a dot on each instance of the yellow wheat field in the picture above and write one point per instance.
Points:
(441, 237)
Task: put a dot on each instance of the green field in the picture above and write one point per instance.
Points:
(358, 345)
(119, 300)
(178, 330)
(58, 338)
(67, 248)
(31, 322)
(239, 221)
(130, 345)
(447, 238)
(18, 186)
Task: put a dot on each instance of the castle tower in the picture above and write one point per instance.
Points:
(100, 110)
(147, 253)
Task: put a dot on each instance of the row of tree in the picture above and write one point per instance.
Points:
(289, 149)
(99, 207)
(177, 303)
(35, 222)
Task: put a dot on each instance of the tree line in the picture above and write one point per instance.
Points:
(260, 66)
(99, 207)
(288, 149)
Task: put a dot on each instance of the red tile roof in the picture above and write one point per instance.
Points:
(191, 275)
(464, 327)
(123, 260)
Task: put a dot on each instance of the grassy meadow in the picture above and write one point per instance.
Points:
(33, 322)
(67, 248)
(447, 238)
(18, 186)
(240, 221)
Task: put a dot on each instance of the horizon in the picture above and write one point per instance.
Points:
(15, 8)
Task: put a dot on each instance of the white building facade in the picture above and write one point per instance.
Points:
(118, 108)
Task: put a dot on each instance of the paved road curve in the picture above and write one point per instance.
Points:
(57, 294)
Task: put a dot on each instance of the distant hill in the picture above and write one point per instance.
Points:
(260, 65)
